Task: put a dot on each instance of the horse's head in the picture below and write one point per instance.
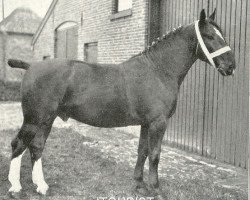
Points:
(212, 47)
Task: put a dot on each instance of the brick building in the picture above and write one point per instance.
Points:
(106, 31)
(16, 33)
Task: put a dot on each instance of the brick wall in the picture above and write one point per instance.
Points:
(45, 43)
(117, 39)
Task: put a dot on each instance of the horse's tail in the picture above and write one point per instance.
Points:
(18, 64)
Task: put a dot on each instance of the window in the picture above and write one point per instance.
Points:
(91, 52)
(121, 9)
(123, 5)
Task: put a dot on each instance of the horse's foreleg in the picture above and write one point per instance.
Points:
(156, 133)
(142, 156)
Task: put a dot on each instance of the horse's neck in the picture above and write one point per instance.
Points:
(175, 56)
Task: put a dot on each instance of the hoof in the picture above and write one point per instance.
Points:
(158, 195)
(16, 195)
(141, 189)
(15, 189)
(42, 189)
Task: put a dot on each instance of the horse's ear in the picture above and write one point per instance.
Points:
(212, 16)
(202, 20)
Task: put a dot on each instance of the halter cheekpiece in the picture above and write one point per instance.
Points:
(209, 56)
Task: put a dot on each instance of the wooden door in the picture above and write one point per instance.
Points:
(66, 44)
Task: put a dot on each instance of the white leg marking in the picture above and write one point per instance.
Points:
(38, 178)
(14, 174)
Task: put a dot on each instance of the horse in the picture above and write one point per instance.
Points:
(143, 91)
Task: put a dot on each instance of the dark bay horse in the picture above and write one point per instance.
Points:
(140, 91)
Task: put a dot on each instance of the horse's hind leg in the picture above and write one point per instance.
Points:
(19, 144)
(142, 156)
(34, 137)
(36, 147)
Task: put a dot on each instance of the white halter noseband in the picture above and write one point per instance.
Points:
(209, 56)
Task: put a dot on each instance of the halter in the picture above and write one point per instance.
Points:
(209, 56)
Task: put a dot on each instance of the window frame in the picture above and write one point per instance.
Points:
(119, 14)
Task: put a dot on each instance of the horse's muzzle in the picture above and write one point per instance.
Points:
(226, 71)
(230, 72)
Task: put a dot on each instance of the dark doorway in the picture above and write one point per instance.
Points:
(66, 42)
(91, 52)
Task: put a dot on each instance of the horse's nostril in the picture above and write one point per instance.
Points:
(232, 66)
(230, 71)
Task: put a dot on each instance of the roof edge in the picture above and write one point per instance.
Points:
(43, 22)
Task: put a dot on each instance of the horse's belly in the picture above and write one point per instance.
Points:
(102, 112)
(100, 118)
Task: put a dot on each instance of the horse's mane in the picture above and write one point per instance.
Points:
(167, 39)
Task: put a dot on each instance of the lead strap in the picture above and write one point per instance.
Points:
(204, 48)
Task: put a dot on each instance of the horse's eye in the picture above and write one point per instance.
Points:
(210, 37)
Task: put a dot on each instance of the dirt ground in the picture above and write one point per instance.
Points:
(84, 162)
